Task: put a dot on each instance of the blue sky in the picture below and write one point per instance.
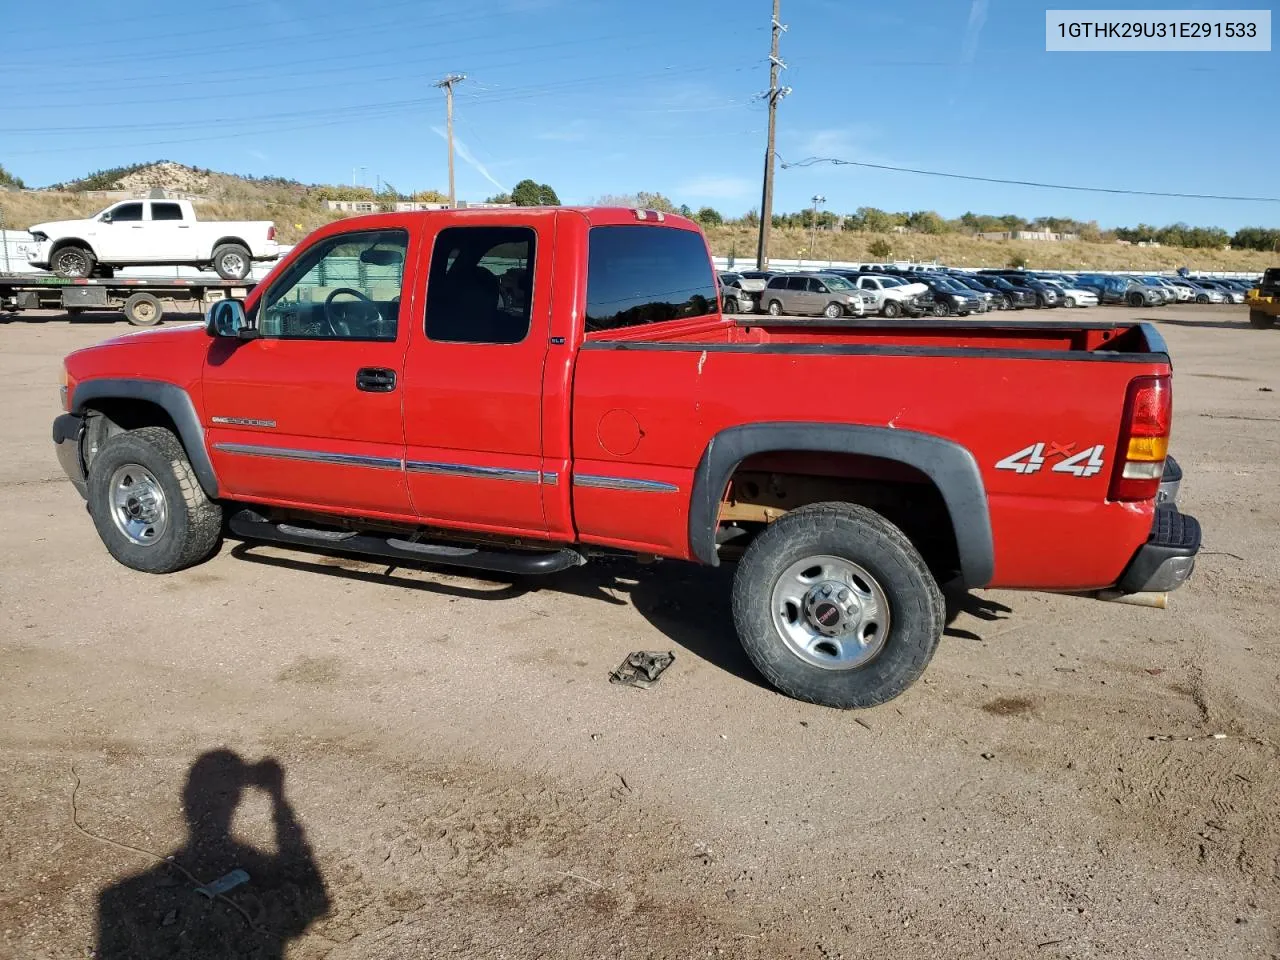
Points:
(606, 97)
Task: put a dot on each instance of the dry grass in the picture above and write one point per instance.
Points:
(297, 212)
(964, 251)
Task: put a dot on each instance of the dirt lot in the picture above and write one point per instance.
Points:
(459, 778)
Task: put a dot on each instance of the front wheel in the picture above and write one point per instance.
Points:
(834, 605)
(1136, 299)
(940, 309)
(892, 309)
(147, 504)
(833, 311)
(775, 308)
(731, 305)
(73, 263)
(1202, 298)
(232, 261)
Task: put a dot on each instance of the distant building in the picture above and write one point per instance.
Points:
(1029, 235)
(353, 206)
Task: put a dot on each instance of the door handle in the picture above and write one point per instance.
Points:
(375, 379)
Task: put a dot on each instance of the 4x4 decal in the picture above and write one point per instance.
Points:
(1030, 459)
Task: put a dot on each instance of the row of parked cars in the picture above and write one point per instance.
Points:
(946, 291)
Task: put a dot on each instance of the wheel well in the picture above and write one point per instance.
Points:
(235, 240)
(108, 416)
(69, 242)
(765, 486)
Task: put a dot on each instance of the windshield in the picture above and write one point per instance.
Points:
(834, 282)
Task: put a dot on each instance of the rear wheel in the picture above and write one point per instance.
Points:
(892, 309)
(834, 605)
(143, 310)
(147, 505)
(1260, 320)
(231, 261)
(1069, 303)
(72, 262)
(775, 308)
(1202, 298)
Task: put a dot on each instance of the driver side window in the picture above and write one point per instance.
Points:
(345, 287)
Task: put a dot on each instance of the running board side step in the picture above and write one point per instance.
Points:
(251, 525)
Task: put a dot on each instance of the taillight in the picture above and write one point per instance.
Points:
(271, 232)
(1144, 439)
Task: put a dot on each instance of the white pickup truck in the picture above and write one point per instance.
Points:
(143, 232)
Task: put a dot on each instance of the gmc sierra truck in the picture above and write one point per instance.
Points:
(519, 390)
(144, 232)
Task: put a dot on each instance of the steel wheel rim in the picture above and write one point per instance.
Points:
(830, 612)
(138, 505)
(144, 310)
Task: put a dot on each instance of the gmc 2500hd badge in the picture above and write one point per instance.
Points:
(1030, 459)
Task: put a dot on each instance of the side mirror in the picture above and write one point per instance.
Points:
(226, 318)
(106, 217)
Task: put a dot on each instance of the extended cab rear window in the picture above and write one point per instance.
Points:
(643, 274)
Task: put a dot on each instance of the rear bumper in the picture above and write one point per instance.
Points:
(68, 431)
(1166, 561)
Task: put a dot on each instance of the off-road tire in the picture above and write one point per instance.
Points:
(194, 521)
(1260, 320)
(143, 310)
(917, 608)
(73, 262)
(232, 269)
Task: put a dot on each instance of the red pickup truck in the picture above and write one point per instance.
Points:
(517, 390)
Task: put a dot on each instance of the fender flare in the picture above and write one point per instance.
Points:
(56, 244)
(175, 401)
(951, 467)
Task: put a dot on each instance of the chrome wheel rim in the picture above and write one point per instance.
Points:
(138, 505)
(73, 263)
(232, 263)
(830, 612)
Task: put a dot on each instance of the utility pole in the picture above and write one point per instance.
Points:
(447, 83)
(775, 94)
(813, 223)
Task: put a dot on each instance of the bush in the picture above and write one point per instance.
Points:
(1018, 263)
(879, 248)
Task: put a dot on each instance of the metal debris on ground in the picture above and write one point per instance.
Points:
(641, 668)
(224, 883)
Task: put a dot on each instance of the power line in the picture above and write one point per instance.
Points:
(813, 161)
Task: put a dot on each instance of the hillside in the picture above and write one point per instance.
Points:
(297, 209)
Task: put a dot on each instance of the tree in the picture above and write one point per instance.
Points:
(880, 248)
(709, 217)
(500, 198)
(7, 179)
(1018, 262)
(527, 193)
(654, 201)
(685, 211)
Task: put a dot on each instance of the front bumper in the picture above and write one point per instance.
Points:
(38, 253)
(68, 432)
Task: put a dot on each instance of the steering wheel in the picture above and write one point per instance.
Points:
(338, 326)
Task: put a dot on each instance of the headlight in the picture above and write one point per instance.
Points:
(958, 298)
(39, 237)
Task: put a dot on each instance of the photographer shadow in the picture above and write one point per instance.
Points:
(163, 913)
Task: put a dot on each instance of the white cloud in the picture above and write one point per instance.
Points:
(469, 158)
(973, 33)
(717, 188)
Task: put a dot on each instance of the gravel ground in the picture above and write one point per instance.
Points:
(410, 763)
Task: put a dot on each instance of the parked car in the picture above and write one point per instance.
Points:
(1072, 295)
(950, 298)
(143, 232)
(1046, 296)
(1198, 293)
(1114, 288)
(895, 296)
(1015, 298)
(1230, 294)
(814, 294)
(427, 422)
(994, 297)
(743, 291)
